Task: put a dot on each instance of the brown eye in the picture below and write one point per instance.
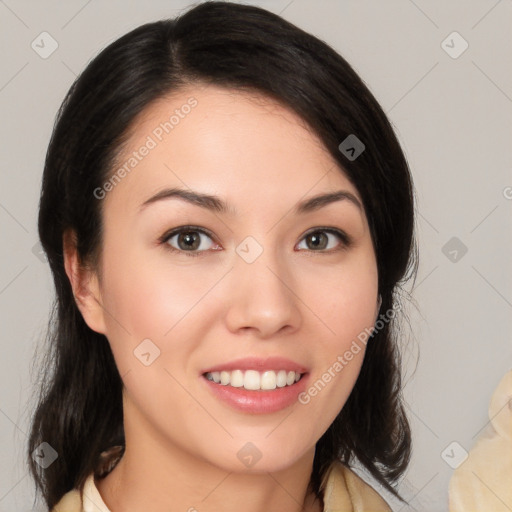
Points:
(322, 240)
(317, 240)
(188, 240)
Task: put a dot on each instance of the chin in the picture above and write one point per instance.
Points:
(255, 457)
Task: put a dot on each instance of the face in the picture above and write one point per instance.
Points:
(217, 264)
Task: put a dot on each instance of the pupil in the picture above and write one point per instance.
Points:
(190, 241)
(316, 240)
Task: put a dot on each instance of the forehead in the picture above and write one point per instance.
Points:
(244, 146)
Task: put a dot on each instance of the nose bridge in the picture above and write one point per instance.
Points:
(262, 296)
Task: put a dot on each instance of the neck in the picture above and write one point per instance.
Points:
(158, 476)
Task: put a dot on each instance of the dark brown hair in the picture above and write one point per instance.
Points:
(244, 48)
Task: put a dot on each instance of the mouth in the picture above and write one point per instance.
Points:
(253, 380)
(257, 386)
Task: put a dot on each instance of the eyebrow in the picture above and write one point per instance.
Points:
(216, 204)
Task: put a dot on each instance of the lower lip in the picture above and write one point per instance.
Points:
(258, 402)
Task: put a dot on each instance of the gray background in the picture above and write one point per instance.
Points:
(453, 117)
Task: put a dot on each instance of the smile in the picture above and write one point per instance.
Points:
(253, 380)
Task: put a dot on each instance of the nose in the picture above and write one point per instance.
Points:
(262, 297)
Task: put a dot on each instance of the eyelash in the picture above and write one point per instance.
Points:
(346, 241)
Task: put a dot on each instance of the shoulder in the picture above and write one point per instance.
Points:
(70, 502)
(89, 500)
(344, 490)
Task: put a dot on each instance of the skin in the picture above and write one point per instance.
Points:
(294, 300)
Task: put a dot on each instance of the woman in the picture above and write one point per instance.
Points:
(228, 215)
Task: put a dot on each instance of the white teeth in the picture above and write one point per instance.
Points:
(237, 379)
(268, 380)
(253, 380)
(281, 378)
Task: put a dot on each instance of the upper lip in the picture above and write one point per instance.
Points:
(258, 364)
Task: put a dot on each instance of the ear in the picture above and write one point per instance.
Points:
(85, 285)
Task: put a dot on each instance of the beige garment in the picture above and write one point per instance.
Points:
(344, 492)
(92, 500)
(483, 482)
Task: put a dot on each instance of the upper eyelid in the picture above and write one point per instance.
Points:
(176, 231)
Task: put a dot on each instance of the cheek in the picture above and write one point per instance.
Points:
(344, 299)
(347, 308)
(147, 300)
(150, 296)
(146, 297)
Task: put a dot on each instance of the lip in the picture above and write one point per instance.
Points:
(258, 402)
(259, 364)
